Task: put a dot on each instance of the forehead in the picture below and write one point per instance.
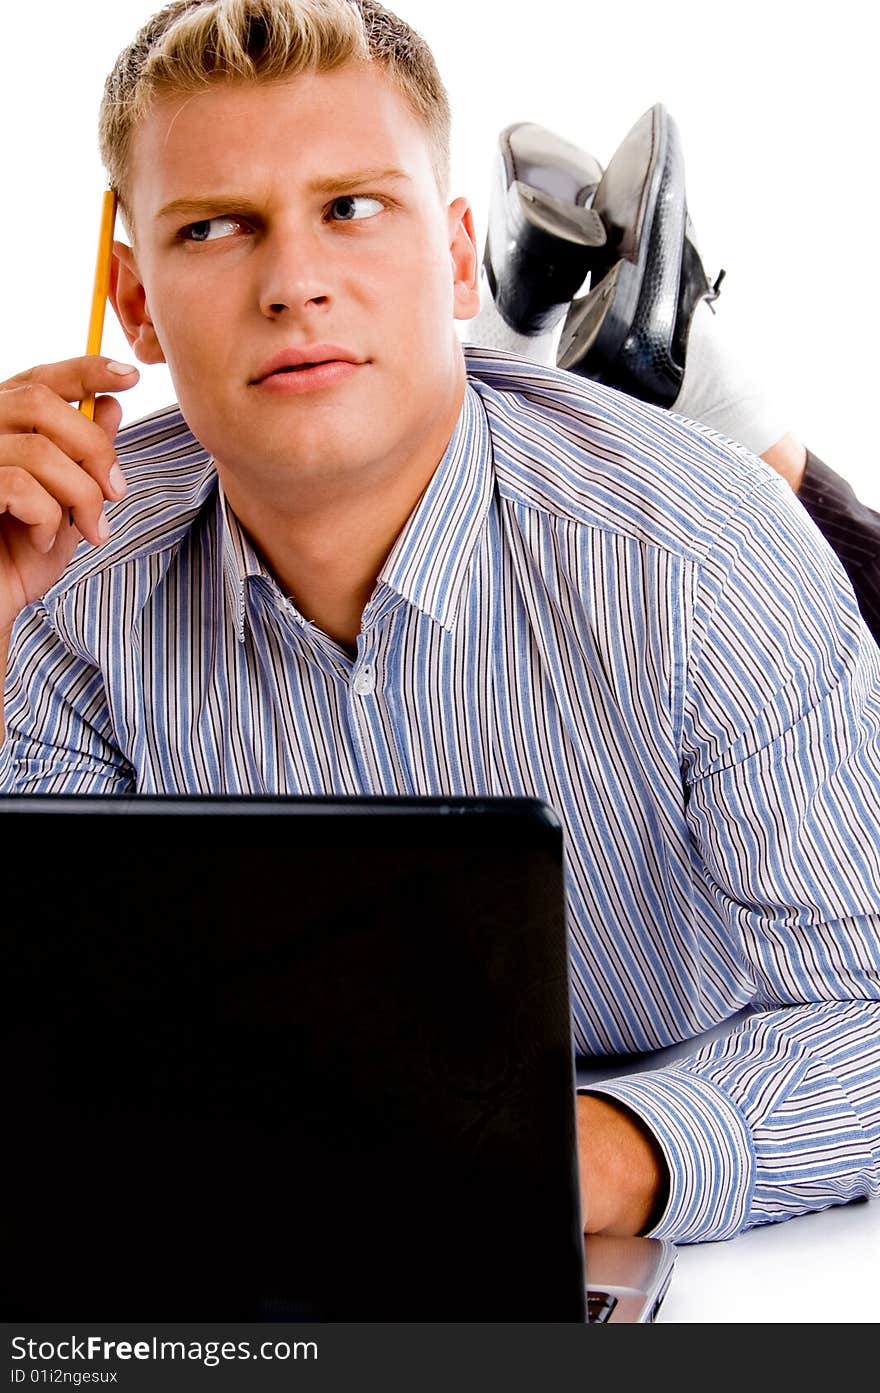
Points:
(308, 127)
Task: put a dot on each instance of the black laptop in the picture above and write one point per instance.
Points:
(291, 1059)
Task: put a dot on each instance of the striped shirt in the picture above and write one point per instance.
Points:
(595, 603)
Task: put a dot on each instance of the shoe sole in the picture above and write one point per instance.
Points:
(540, 236)
(631, 329)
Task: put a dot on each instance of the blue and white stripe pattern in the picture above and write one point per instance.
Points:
(594, 603)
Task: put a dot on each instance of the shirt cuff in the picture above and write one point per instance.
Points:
(707, 1147)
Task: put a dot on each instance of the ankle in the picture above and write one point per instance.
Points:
(789, 458)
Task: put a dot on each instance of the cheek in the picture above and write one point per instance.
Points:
(193, 325)
(419, 295)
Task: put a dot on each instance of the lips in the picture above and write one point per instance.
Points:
(294, 360)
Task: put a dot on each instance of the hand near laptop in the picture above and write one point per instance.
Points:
(56, 470)
(623, 1176)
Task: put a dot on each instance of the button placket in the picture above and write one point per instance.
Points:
(364, 682)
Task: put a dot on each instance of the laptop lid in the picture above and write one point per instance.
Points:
(274, 1058)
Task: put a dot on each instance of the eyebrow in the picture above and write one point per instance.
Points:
(231, 203)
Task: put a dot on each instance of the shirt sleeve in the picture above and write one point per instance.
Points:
(59, 736)
(780, 754)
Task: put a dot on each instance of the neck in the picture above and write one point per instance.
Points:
(326, 550)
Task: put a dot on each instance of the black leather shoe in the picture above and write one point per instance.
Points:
(541, 237)
(631, 329)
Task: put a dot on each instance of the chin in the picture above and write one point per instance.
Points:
(287, 457)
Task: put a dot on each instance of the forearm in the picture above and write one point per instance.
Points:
(778, 1119)
(623, 1175)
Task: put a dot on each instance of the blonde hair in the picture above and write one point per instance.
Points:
(193, 43)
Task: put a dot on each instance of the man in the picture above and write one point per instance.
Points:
(358, 561)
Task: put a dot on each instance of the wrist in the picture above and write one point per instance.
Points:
(623, 1175)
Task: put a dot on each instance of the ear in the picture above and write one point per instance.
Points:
(129, 300)
(465, 259)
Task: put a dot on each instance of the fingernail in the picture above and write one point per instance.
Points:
(123, 369)
(116, 480)
(103, 527)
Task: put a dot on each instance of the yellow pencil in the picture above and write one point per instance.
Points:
(101, 289)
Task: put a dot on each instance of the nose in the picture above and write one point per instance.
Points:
(295, 274)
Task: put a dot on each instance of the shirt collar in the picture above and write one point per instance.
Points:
(428, 563)
(240, 562)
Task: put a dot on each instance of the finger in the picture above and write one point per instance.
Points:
(76, 378)
(33, 408)
(26, 457)
(108, 415)
(24, 498)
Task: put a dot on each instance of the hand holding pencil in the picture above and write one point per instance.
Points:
(57, 465)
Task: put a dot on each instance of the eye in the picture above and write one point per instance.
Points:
(346, 208)
(208, 230)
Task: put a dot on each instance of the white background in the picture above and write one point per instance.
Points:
(773, 102)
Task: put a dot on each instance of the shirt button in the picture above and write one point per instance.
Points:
(365, 680)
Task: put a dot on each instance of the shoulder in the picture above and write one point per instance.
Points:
(588, 454)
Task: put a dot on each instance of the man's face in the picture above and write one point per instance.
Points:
(307, 222)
